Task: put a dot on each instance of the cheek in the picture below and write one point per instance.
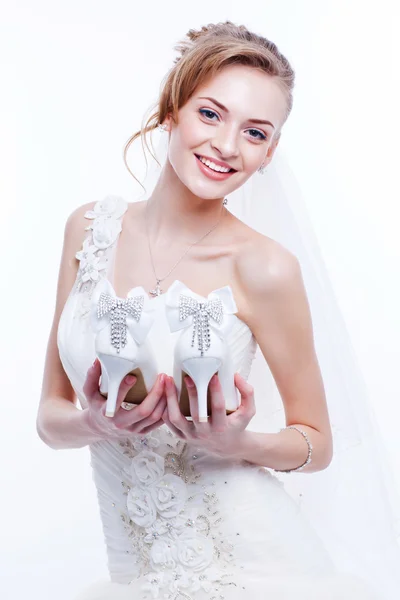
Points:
(192, 133)
(176, 152)
(255, 156)
(183, 143)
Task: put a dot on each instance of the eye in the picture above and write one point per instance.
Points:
(259, 135)
(262, 136)
(207, 110)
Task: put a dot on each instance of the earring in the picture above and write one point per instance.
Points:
(261, 169)
(162, 127)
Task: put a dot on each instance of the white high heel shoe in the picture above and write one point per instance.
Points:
(121, 326)
(209, 320)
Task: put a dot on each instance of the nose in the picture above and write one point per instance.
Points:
(225, 143)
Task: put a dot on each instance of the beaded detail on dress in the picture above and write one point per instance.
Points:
(172, 521)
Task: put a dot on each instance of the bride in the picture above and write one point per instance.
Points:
(191, 485)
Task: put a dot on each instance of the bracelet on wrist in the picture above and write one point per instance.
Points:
(310, 448)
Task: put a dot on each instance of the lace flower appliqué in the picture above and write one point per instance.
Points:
(172, 523)
(106, 216)
(94, 255)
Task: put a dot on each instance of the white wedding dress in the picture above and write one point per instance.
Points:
(180, 524)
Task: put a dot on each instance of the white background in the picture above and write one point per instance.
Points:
(76, 80)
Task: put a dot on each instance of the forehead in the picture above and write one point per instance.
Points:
(246, 92)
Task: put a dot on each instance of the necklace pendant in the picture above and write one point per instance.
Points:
(157, 291)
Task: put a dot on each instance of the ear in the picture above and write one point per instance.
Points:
(169, 122)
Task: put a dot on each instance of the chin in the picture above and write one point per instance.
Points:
(210, 190)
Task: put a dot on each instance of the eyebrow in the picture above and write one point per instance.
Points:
(222, 107)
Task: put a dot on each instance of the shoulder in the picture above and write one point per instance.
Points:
(76, 221)
(275, 302)
(78, 214)
(266, 268)
(271, 285)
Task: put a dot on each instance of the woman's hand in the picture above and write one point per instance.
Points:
(139, 420)
(221, 433)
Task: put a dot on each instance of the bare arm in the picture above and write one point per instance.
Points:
(60, 423)
(63, 426)
(280, 318)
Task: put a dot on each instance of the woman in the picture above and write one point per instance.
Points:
(189, 510)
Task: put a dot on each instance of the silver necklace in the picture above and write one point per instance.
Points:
(157, 291)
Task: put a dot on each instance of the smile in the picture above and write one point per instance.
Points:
(212, 170)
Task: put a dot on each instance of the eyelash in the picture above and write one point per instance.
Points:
(205, 110)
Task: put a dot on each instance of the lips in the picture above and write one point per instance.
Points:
(232, 170)
(211, 174)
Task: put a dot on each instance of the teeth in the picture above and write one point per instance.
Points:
(213, 166)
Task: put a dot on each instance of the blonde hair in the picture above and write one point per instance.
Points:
(202, 54)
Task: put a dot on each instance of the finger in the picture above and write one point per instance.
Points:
(143, 410)
(174, 412)
(151, 427)
(91, 385)
(193, 399)
(92, 388)
(156, 415)
(95, 400)
(172, 427)
(126, 384)
(247, 408)
(218, 408)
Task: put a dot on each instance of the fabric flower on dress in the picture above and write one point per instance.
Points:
(111, 205)
(87, 254)
(106, 224)
(179, 523)
(147, 468)
(141, 507)
(154, 581)
(145, 442)
(105, 231)
(90, 271)
(157, 529)
(169, 495)
(161, 555)
(193, 551)
(180, 579)
(175, 544)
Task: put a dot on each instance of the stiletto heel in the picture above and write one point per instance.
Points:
(210, 321)
(115, 369)
(201, 369)
(121, 326)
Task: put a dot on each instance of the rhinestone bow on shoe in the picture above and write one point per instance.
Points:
(202, 313)
(118, 310)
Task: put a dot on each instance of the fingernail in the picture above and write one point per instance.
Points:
(94, 362)
(162, 378)
(189, 382)
(130, 379)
